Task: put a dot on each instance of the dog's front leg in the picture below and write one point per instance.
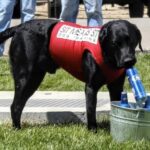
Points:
(91, 100)
(94, 80)
(115, 88)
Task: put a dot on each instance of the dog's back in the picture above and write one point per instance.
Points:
(39, 26)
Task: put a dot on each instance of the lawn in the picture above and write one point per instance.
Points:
(70, 136)
(63, 137)
(62, 81)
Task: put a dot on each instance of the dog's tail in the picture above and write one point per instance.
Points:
(4, 35)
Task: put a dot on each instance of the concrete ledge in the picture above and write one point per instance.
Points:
(54, 107)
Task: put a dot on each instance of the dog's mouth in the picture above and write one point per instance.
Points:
(127, 63)
(123, 63)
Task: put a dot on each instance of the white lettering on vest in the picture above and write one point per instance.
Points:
(78, 34)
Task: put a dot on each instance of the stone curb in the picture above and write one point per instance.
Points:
(54, 107)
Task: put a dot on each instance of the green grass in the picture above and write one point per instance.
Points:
(70, 136)
(63, 137)
(62, 81)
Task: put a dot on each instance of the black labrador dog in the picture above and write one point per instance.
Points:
(30, 58)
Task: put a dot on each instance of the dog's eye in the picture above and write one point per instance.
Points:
(116, 43)
(113, 43)
(119, 43)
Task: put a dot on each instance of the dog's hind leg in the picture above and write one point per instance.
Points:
(25, 86)
(25, 57)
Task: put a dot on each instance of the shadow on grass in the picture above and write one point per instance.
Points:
(68, 119)
(63, 119)
(104, 125)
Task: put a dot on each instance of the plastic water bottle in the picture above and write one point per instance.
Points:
(124, 100)
(137, 86)
(147, 103)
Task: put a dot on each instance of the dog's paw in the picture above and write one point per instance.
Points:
(16, 127)
(92, 128)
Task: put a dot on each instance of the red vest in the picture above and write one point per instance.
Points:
(69, 41)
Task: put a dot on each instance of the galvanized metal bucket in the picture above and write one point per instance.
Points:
(129, 123)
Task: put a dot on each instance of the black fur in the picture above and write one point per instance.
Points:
(30, 60)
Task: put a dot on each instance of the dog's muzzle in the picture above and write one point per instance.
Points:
(127, 63)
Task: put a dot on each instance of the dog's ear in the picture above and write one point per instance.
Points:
(104, 31)
(139, 37)
(103, 34)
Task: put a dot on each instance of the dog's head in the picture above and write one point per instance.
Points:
(118, 41)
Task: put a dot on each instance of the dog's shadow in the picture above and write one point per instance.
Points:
(78, 118)
(67, 119)
(104, 125)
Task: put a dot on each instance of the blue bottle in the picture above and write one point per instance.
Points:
(147, 103)
(136, 85)
(124, 100)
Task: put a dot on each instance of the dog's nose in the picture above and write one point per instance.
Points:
(129, 62)
(126, 60)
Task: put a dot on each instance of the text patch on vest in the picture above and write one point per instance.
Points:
(78, 34)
